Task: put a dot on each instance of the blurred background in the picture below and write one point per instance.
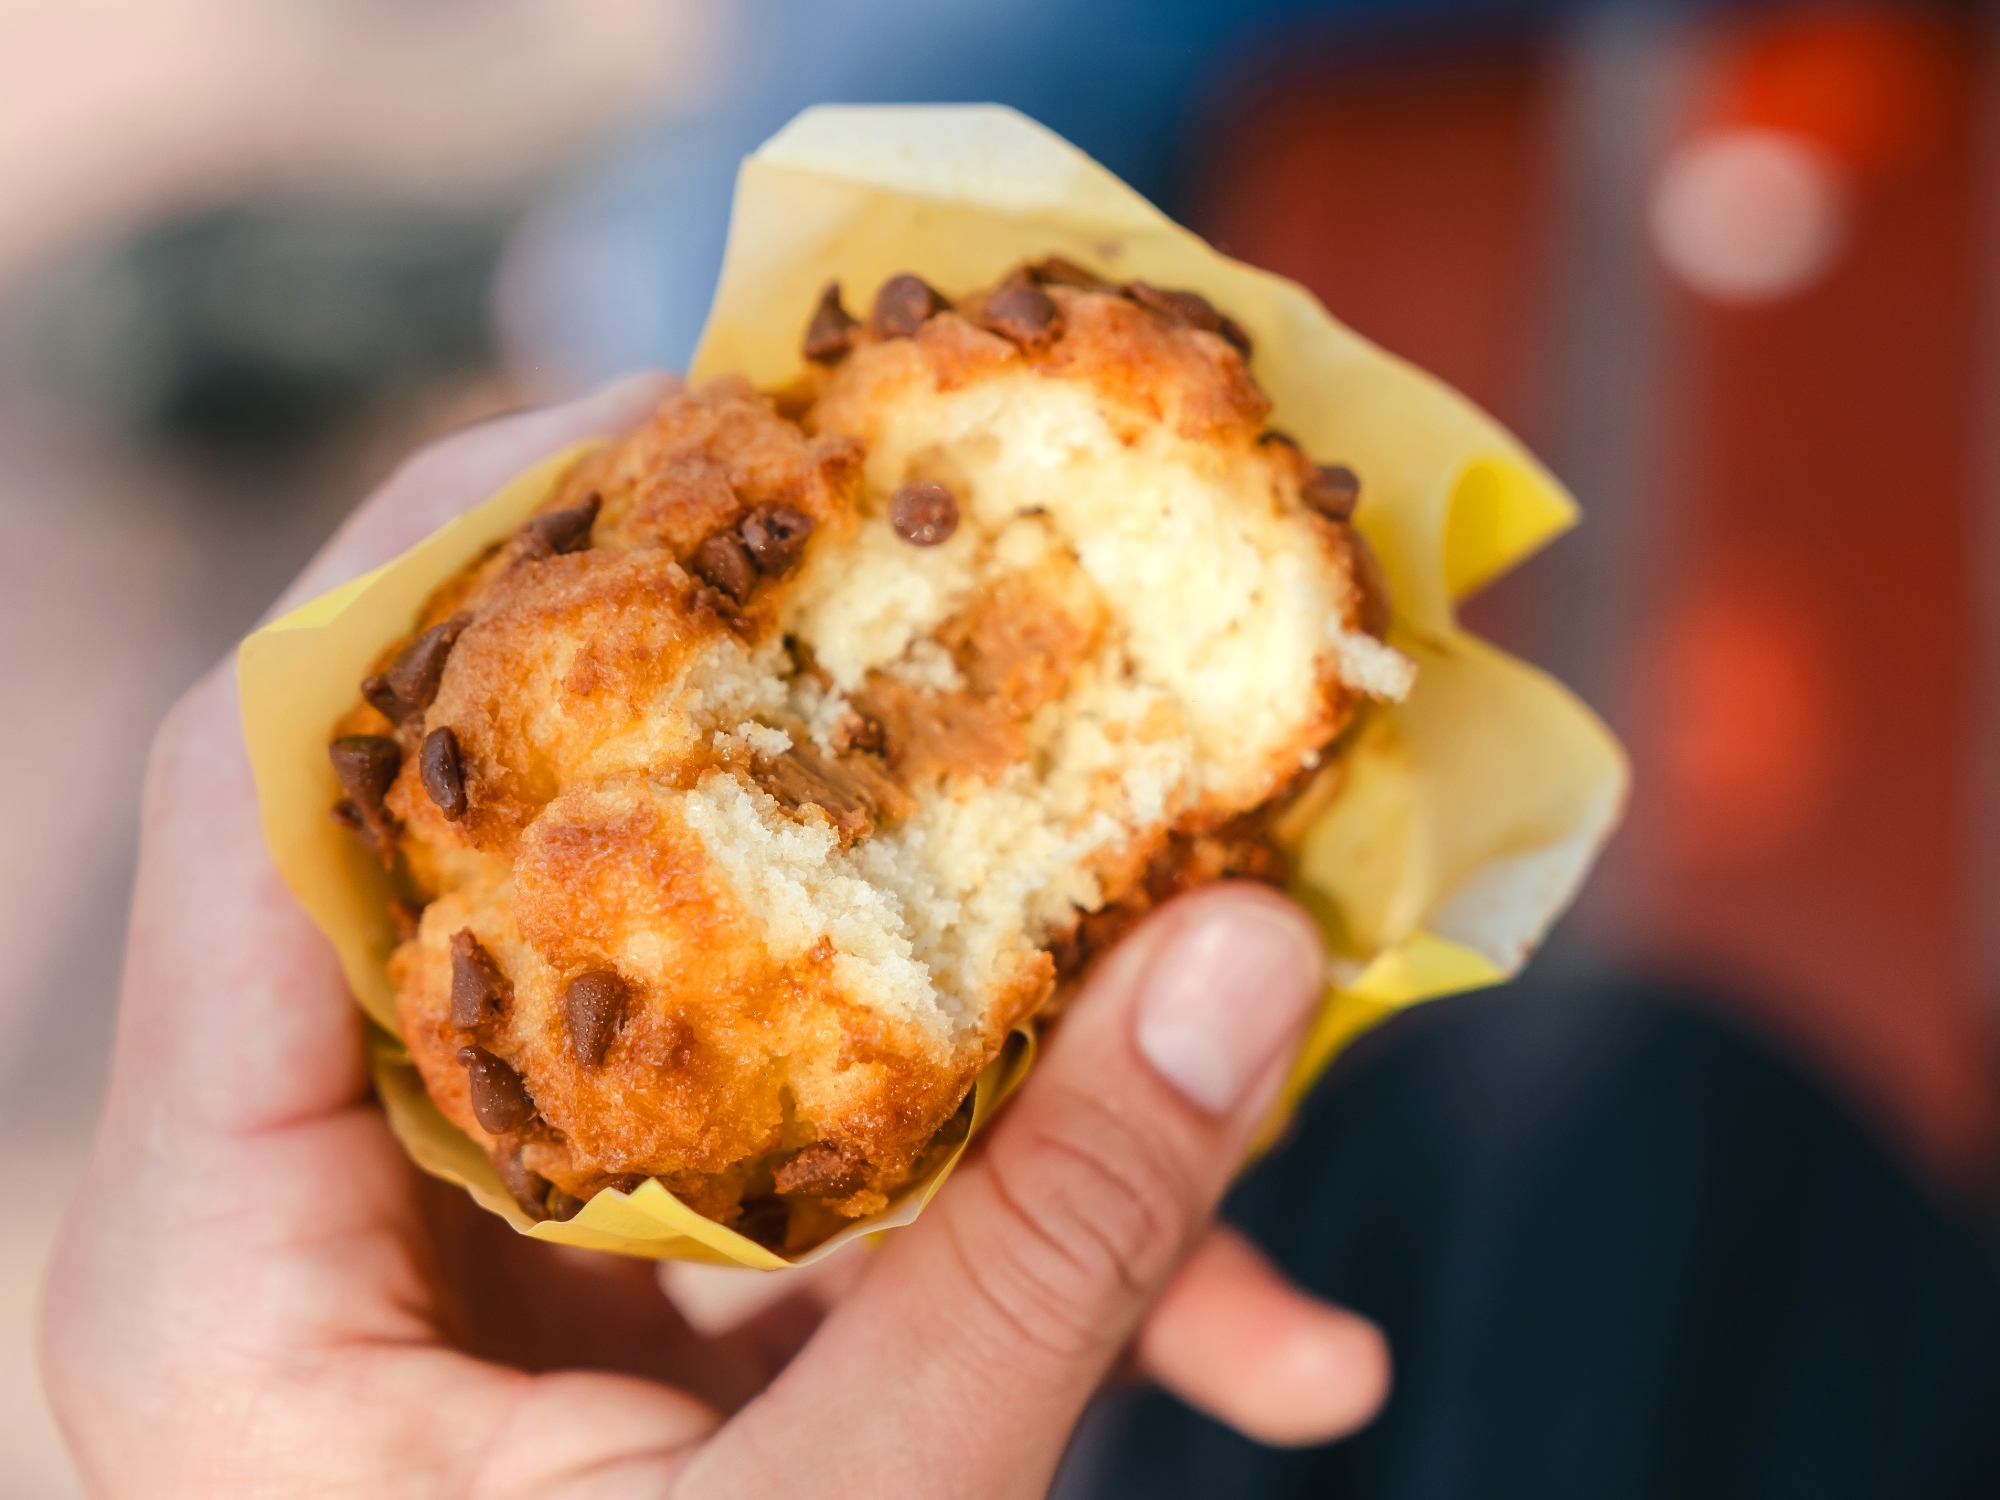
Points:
(1702, 1205)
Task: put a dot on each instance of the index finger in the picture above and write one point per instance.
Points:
(233, 1003)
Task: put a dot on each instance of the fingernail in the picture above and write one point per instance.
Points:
(1224, 996)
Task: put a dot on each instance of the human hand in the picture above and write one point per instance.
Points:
(255, 1292)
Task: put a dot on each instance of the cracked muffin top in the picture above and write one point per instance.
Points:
(804, 744)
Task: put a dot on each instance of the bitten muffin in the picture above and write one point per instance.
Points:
(805, 744)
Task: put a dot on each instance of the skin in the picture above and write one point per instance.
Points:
(255, 1293)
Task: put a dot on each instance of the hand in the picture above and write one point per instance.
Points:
(256, 1293)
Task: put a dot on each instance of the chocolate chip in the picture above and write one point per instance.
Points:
(419, 666)
(1066, 948)
(375, 833)
(1053, 270)
(709, 600)
(366, 765)
(1022, 312)
(924, 513)
(500, 1101)
(593, 1005)
(560, 531)
(774, 536)
(1189, 309)
(408, 917)
(850, 793)
(382, 698)
(444, 776)
(903, 305)
(562, 1207)
(627, 1183)
(411, 683)
(831, 332)
(725, 562)
(530, 1189)
(824, 1169)
(1332, 490)
(478, 988)
(766, 1220)
(1271, 436)
(863, 735)
(1236, 335)
(1375, 607)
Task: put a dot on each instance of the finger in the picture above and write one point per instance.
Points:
(754, 1323)
(579, 1435)
(234, 1010)
(234, 1014)
(531, 1305)
(773, 1336)
(204, 1231)
(1233, 1338)
(968, 1350)
(457, 472)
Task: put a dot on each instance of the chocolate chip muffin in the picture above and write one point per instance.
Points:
(804, 744)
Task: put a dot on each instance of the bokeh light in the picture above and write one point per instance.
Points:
(1749, 214)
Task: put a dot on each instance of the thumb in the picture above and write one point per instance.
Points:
(962, 1361)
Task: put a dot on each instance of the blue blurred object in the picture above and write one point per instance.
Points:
(615, 270)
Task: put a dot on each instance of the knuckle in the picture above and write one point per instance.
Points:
(1097, 1209)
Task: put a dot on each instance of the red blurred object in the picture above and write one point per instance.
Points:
(1741, 681)
(1875, 84)
(1410, 193)
(1824, 456)
(1802, 694)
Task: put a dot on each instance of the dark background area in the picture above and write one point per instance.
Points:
(1620, 1249)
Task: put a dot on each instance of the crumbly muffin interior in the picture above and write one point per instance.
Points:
(847, 725)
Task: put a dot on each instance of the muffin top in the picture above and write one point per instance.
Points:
(799, 748)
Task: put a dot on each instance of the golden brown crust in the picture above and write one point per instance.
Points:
(558, 668)
(1153, 371)
(1194, 381)
(695, 1081)
(642, 969)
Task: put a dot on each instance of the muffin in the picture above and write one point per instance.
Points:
(806, 743)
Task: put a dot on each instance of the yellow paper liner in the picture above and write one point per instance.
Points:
(1469, 814)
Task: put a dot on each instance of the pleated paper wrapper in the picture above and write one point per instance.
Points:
(1469, 814)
